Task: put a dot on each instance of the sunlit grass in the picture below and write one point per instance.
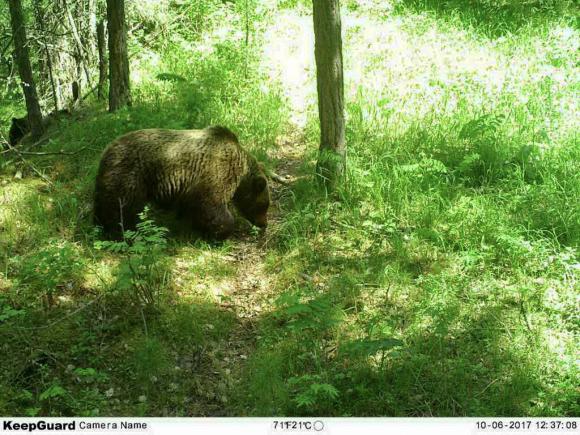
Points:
(450, 133)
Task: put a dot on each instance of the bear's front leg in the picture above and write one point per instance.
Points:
(216, 220)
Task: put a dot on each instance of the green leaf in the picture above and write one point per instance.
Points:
(32, 412)
(370, 347)
(298, 309)
(9, 312)
(53, 391)
(85, 373)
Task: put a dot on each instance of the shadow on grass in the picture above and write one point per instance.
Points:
(466, 352)
(455, 365)
(103, 353)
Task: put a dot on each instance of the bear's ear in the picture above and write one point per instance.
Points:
(259, 184)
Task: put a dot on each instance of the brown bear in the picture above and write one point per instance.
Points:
(196, 172)
(20, 127)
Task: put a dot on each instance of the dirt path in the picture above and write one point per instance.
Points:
(251, 291)
(288, 58)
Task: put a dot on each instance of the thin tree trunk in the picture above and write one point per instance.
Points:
(92, 28)
(40, 18)
(58, 68)
(328, 54)
(51, 77)
(76, 84)
(76, 92)
(119, 86)
(24, 68)
(81, 56)
(102, 59)
(42, 67)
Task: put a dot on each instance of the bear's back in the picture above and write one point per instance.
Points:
(180, 162)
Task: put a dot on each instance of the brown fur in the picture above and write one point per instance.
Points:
(197, 172)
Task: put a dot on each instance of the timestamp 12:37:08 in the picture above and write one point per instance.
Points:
(527, 424)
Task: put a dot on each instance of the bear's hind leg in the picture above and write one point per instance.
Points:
(106, 214)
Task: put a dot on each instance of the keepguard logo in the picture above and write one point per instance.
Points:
(41, 425)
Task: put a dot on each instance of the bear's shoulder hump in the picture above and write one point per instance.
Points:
(221, 133)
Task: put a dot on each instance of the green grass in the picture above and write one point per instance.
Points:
(494, 18)
(440, 280)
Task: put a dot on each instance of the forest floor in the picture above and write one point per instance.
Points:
(251, 290)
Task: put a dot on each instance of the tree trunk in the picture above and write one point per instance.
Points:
(102, 59)
(40, 19)
(55, 98)
(328, 54)
(24, 68)
(41, 66)
(119, 87)
(91, 33)
(81, 57)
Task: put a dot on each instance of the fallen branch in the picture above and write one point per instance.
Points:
(5, 144)
(277, 178)
(26, 162)
(62, 319)
(89, 92)
(43, 153)
(5, 49)
(52, 153)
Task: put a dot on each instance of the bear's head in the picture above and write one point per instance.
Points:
(252, 197)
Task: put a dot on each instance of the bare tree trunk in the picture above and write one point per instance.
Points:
(78, 82)
(51, 77)
(58, 68)
(80, 57)
(24, 68)
(40, 19)
(75, 92)
(119, 86)
(92, 29)
(41, 67)
(102, 59)
(328, 54)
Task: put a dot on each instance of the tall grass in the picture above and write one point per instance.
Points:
(428, 285)
(492, 17)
